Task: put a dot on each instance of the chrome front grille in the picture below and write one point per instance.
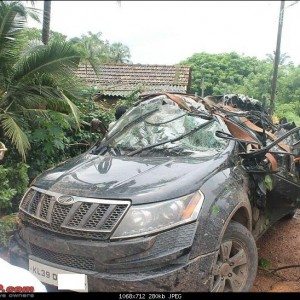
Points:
(45, 207)
(84, 217)
(97, 216)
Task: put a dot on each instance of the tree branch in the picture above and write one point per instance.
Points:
(274, 274)
(284, 267)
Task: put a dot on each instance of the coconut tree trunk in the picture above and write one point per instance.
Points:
(46, 21)
(276, 58)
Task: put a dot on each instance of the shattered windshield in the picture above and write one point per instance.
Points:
(158, 120)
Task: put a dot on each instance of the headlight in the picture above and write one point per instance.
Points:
(149, 218)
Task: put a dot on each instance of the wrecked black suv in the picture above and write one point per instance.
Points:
(172, 199)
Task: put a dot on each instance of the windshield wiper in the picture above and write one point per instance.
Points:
(171, 140)
(193, 114)
(105, 142)
(201, 115)
(165, 122)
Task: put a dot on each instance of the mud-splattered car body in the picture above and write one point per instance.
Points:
(211, 166)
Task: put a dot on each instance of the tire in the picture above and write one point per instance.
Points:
(236, 265)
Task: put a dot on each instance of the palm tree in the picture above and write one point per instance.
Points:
(93, 50)
(46, 21)
(35, 82)
(119, 53)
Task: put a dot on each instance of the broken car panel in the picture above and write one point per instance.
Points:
(172, 199)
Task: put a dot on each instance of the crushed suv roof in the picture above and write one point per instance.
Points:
(183, 124)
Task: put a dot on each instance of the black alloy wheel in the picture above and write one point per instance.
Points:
(236, 265)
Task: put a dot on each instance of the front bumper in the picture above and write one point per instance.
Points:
(156, 263)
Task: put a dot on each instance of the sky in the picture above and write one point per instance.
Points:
(167, 32)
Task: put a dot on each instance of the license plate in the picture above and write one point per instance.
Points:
(61, 278)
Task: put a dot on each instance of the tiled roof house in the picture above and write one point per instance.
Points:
(119, 80)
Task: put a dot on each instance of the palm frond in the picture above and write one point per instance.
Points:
(14, 132)
(74, 110)
(32, 113)
(29, 96)
(56, 58)
(12, 19)
(32, 99)
(34, 13)
(13, 16)
(41, 99)
(31, 46)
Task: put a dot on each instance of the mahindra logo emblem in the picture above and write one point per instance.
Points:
(65, 200)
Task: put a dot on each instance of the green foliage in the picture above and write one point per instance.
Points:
(38, 118)
(7, 225)
(48, 142)
(268, 183)
(233, 73)
(45, 110)
(6, 191)
(90, 109)
(32, 83)
(33, 36)
(13, 183)
(223, 73)
(289, 84)
(289, 110)
(13, 16)
(131, 98)
(264, 263)
(94, 50)
(54, 139)
(119, 53)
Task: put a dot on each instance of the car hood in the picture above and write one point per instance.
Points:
(140, 179)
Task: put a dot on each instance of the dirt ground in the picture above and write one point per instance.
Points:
(280, 246)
